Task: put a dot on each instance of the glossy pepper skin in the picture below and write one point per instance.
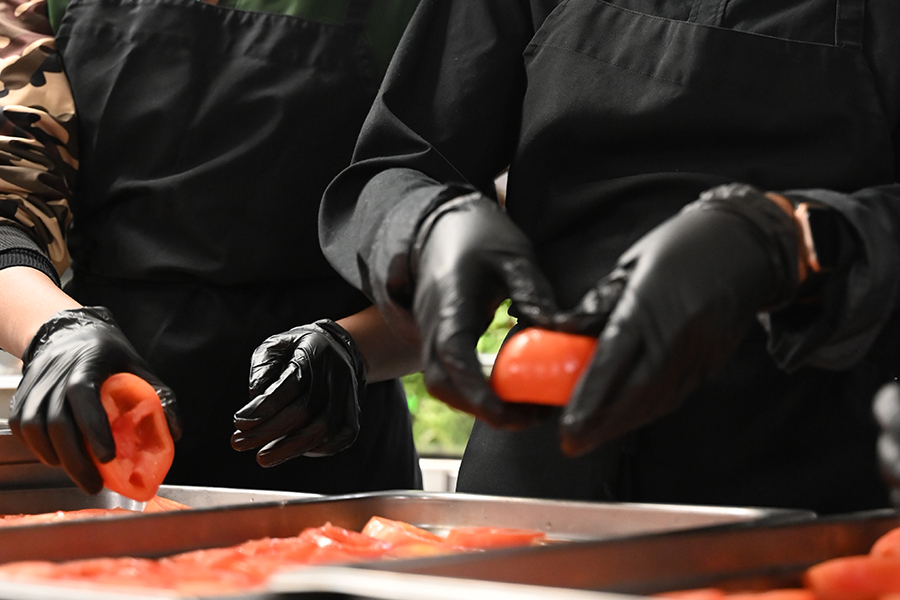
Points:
(675, 307)
(541, 366)
(306, 387)
(56, 411)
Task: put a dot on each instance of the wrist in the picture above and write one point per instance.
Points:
(28, 298)
(67, 320)
(776, 233)
(345, 341)
(384, 354)
(806, 258)
(819, 236)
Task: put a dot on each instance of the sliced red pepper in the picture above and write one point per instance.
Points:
(144, 446)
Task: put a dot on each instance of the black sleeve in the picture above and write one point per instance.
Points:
(18, 249)
(444, 124)
(853, 304)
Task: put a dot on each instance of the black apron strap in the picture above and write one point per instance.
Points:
(849, 23)
(358, 13)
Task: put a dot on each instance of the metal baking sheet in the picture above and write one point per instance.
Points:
(44, 500)
(11, 450)
(337, 583)
(160, 534)
(25, 486)
(28, 486)
(19, 468)
(747, 556)
(344, 583)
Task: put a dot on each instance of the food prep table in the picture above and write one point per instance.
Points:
(227, 517)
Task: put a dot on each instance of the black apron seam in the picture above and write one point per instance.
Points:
(679, 22)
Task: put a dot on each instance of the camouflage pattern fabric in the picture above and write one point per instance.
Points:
(38, 146)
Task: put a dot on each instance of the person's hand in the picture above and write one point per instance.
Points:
(470, 257)
(675, 307)
(56, 411)
(887, 412)
(306, 386)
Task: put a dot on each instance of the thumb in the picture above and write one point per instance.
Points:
(590, 315)
(599, 409)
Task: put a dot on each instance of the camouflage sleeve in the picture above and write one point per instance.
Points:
(38, 152)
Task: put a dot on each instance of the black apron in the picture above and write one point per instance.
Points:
(627, 117)
(207, 137)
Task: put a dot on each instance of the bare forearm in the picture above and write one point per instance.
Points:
(385, 355)
(27, 299)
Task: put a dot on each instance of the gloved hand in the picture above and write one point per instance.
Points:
(675, 307)
(56, 410)
(469, 257)
(306, 386)
(887, 413)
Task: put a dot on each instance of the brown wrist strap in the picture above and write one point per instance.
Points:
(801, 215)
(806, 254)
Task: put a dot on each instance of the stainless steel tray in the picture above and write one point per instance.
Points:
(336, 583)
(737, 557)
(19, 468)
(160, 534)
(741, 556)
(29, 486)
(44, 500)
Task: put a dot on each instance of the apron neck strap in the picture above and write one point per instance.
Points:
(358, 13)
(849, 23)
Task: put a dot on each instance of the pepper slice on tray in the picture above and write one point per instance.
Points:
(399, 532)
(488, 538)
(406, 540)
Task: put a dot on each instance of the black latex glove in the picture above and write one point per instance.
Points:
(469, 258)
(306, 387)
(887, 413)
(56, 410)
(674, 309)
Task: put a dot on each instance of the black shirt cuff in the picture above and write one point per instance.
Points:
(17, 249)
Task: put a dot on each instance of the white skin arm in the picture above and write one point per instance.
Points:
(385, 355)
(28, 298)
